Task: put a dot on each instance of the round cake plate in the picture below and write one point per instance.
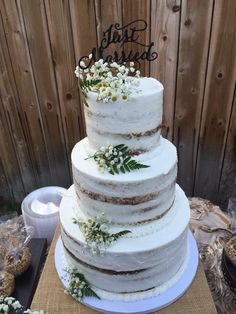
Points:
(141, 306)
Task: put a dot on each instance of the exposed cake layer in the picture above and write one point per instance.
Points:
(130, 264)
(137, 295)
(130, 198)
(136, 122)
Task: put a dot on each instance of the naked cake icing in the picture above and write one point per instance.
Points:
(134, 195)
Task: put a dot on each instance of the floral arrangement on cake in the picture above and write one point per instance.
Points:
(111, 81)
(78, 285)
(96, 234)
(116, 159)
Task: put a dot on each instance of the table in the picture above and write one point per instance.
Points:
(51, 298)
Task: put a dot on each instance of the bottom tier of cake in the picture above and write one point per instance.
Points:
(133, 263)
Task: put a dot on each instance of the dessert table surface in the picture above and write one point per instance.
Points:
(51, 298)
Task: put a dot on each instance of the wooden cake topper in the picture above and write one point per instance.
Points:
(130, 34)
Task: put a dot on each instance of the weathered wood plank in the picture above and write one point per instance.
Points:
(165, 19)
(108, 12)
(58, 17)
(133, 10)
(227, 186)
(12, 108)
(11, 187)
(34, 16)
(219, 90)
(28, 102)
(196, 17)
(83, 21)
(6, 193)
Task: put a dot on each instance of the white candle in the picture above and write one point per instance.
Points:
(40, 210)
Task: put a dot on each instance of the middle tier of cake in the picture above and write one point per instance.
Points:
(128, 198)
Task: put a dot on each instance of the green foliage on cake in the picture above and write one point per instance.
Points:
(96, 234)
(116, 159)
(88, 85)
(111, 81)
(78, 285)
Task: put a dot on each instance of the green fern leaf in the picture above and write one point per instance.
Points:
(117, 235)
(115, 169)
(116, 159)
(127, 159)
(88, 292)
(118, 147)
(87, 86)
(122, 169)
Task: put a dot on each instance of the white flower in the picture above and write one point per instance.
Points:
(77, 71)
(16, 305)
(114, 65)
(82, 64)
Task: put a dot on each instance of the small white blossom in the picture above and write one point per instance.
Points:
(82, 64)
(16, 305)
(77, 73)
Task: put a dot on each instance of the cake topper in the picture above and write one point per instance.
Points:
(122, 35)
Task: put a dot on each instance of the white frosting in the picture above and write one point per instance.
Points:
(138, 230)
(134, 296)
(159, 254)
(121, 122)
(132, 197)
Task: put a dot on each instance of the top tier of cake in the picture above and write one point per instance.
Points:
(135, 123)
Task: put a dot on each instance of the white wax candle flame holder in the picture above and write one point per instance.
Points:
(40, 209)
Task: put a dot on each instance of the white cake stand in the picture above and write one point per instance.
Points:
(142, 306)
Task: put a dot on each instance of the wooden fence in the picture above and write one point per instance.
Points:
(40, 113)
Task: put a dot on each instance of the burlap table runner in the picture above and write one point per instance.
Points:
(51, 298)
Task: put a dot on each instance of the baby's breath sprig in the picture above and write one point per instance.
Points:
(78, 285)
(12, 305)
(111, 81)
(96, 234)
(116, 159)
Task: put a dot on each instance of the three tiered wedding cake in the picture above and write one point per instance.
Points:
(124, 222)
